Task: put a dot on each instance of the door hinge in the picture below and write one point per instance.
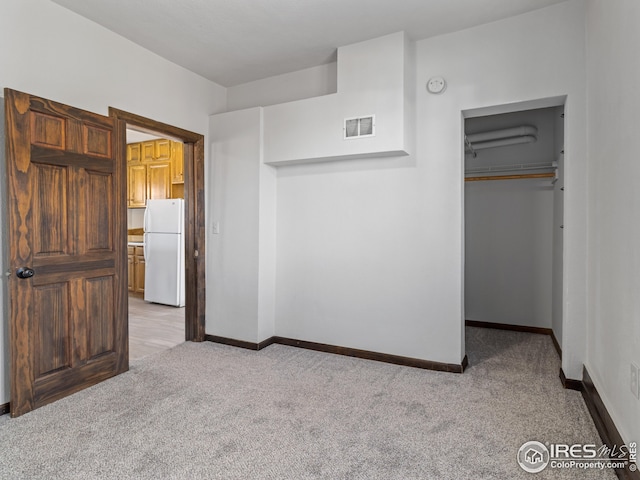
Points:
(196, 254)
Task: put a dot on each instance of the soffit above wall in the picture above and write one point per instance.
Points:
(234, 42)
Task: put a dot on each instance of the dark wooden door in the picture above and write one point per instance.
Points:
(67, 233)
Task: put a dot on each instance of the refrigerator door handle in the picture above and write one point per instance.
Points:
(144, 235)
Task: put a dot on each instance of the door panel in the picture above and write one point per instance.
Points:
(67, 222)
(50, 212)
(99, 201)
(52, 321)
(97, 141)
(48, 130)
(100, 315)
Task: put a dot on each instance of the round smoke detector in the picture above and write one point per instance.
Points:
(436, 85)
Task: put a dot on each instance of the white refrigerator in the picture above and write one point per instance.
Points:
(164, 252)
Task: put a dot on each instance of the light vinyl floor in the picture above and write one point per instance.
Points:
(153, 328)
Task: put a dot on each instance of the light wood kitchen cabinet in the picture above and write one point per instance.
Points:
(136, 269)
(138, 262)
(134, 153)
(155, 171)
(159, 180)
(163, 150)
(136, 185)
(130, 269)
(177, 163)
(148, 151)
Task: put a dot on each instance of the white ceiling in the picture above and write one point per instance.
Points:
(237, 41)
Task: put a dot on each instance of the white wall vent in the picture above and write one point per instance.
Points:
(359, 127)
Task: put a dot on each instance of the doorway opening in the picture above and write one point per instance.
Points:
(155, 251)
(513, 218)
(191, 189)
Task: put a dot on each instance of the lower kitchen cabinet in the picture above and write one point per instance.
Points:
(136, 269)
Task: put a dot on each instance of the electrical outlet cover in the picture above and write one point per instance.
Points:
(633, 382)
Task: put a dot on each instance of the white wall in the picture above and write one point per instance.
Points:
(135, 218)
(371, 81)
(48, 51)
(500, 63)
(244, 258)
(70, 59)
(614, 203)
(307, 83)
(558, 232)
(241, 280)
(509, 250)
(267, 238)
(369, 252)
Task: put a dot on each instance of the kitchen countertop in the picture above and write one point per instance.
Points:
(135, 240)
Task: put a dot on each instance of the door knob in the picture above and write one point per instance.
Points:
(25, 272)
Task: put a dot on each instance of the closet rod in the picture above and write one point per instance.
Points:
(510, 177)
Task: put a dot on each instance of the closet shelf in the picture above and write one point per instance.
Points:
(510, 177)
(512, 168)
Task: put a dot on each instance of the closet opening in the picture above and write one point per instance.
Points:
(513, 219)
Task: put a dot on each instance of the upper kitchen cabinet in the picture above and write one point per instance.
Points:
(134, 152)
(164, 150)
(155, 171)
(148, 150)
(159, 180)
(136, 185)
(177, 167)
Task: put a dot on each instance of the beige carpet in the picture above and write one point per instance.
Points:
(213, 411)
